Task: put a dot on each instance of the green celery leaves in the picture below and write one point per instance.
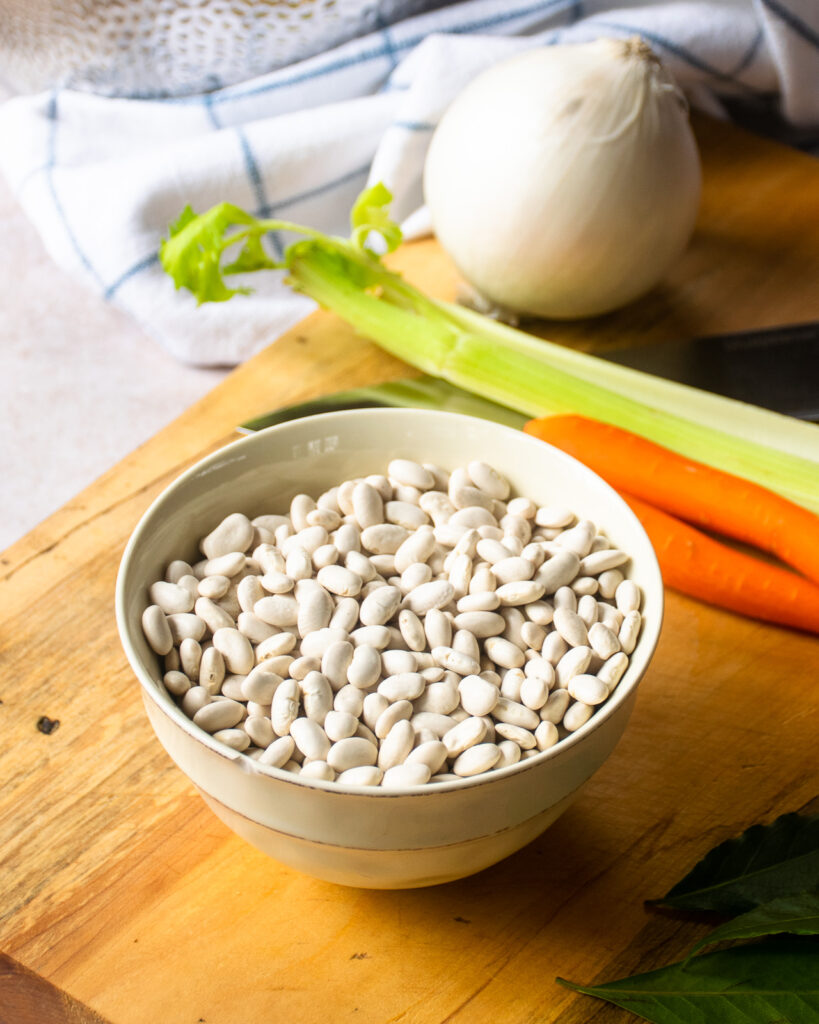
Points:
(371, 213)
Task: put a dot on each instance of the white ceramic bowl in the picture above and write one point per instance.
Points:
(367, 836)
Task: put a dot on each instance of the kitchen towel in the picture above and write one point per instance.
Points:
(101, 177)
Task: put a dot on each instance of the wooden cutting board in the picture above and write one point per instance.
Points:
(129, 900)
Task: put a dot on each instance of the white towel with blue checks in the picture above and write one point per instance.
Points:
(101, 178)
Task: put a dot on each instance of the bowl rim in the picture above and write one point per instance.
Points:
(646, 645)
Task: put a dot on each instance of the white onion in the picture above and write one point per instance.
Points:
(565, 181)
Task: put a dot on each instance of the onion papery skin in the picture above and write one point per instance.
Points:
(565, 181)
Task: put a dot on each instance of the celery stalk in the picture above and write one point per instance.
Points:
(493, 360)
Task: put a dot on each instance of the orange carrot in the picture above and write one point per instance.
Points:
(707, 497)
(701, 567)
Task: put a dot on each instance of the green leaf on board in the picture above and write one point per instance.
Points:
(764, 863)
(771, 982)
(794, 915)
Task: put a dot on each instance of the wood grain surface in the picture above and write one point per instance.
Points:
(119, 886)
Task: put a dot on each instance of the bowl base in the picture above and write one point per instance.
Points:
(387, 869)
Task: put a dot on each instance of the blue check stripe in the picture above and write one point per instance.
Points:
(320, 190)
(749, 55)
(679, 51)
(137, 268)
(414, 126)
(793, 21)
(52, 113)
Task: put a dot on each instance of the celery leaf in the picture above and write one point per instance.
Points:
(371, 214)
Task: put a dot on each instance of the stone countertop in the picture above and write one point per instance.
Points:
(81, 384)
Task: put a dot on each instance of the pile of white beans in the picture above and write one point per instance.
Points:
(399, 630)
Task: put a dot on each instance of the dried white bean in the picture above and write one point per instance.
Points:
(237, 739)
(171, 597)
(310, 738)
(524, 738)
(211, 670)
(324, 556)
(336, 661)
(395, 661)
(571, 627)
(432, 753)
(230, 564)
(315, 644)
(565, 597)
(578, 714)
(346, 539)
(540, 612)
(176, 683)
(260, 730)
(235, 649)
(534, 692)
(546, 735)
(437, 724)
(212, 615)
(157, 630)
(557, 571)
(363, 775)
(555, 707)
(368, 505)
(611, 671)
(221, 714)
(316, 696)
(429, 596)
(285, 708)
(455, 661)
(554, 647)
(600, 561)
(503, 652)
(340, 725)
(400, 711)
(177, 569)
(411, 474)
(379, 606)
(629, 631)
(441, 698)
(478, 696)
(468, 733)
(603, 641)
(182, 625)
(573, 663)
(628, 597)
(396, 745)
(349, 699)
(373, 636)
(521, 592)
(275, 646)
(260, 686)
(403, 686)
(403, 776)
(588, 689)
(578, 538)
(532, 635)
(278, 753)
(318, 770)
